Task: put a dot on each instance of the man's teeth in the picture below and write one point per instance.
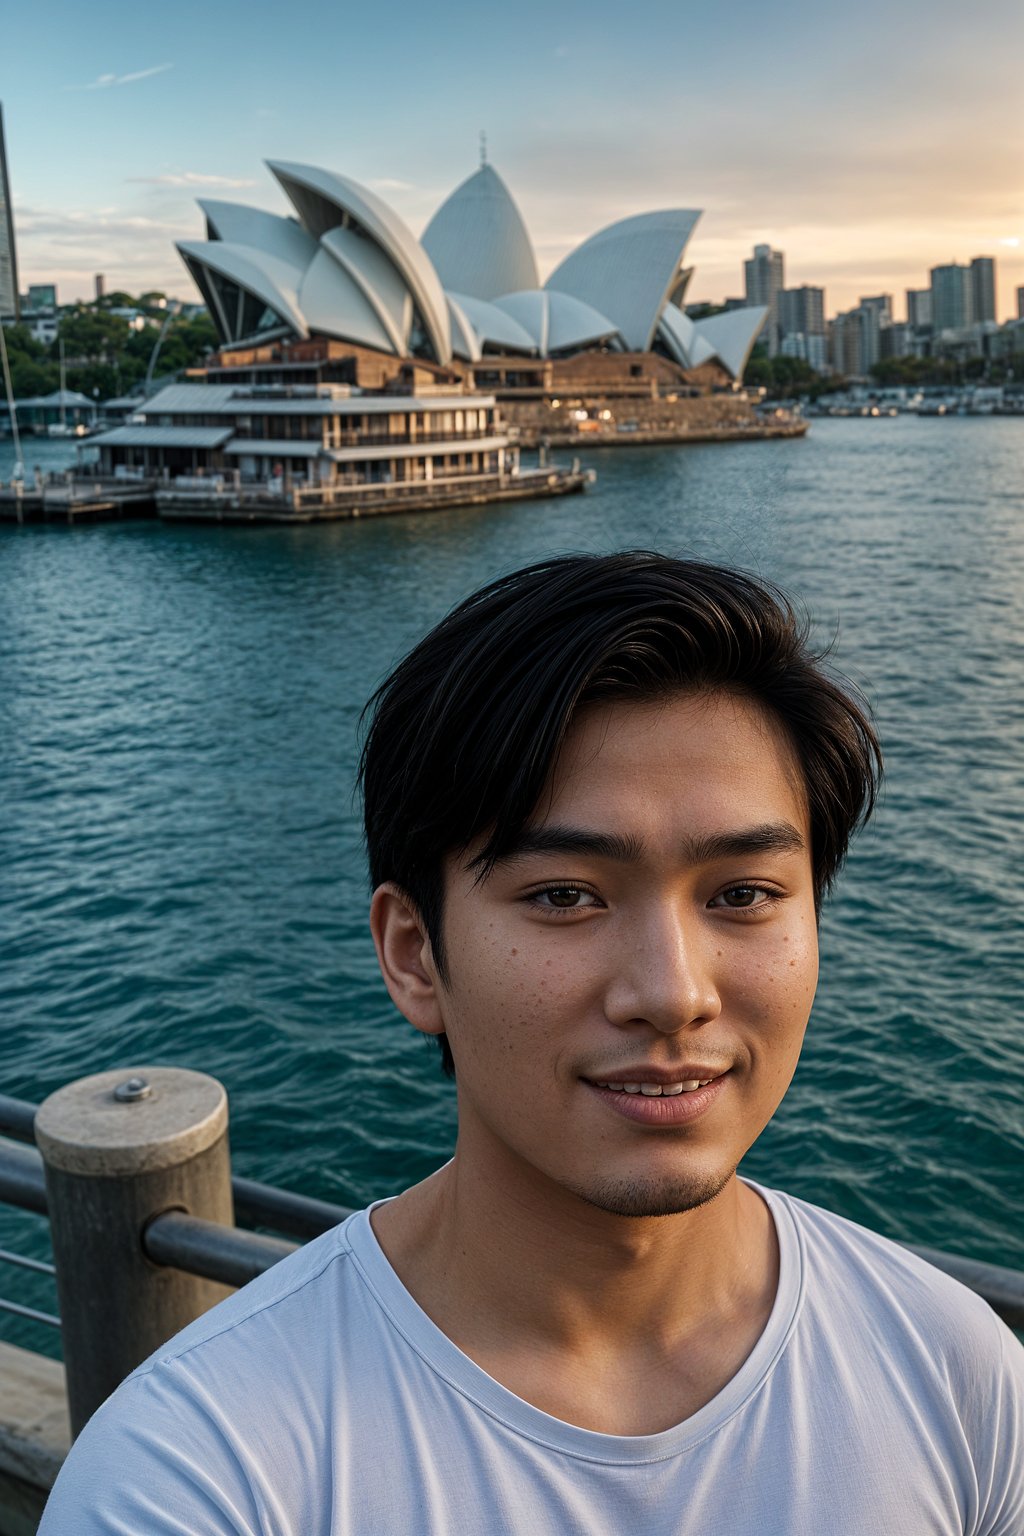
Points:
(657, 1090)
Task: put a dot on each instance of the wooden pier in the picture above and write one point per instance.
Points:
(89, 499)
(71, 500)
(318, 504)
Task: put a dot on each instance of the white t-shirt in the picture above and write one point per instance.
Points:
(883, 1399)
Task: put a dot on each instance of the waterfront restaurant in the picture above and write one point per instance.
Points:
(314, 435)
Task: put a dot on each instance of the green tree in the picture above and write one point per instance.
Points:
(92, 336)
(20, 341)
(117, 300)
(29, 377)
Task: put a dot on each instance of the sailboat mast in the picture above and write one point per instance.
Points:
(12, 408)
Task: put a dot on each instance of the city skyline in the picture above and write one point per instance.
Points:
(868, 148)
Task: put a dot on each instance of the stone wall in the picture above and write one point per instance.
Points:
(581, 422)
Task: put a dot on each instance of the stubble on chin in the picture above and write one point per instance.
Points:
(655, 1197)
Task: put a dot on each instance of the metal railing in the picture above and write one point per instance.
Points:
(17, 1308)
(121, 1233)
(23, 1184)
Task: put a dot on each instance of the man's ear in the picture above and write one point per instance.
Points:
(405, 958)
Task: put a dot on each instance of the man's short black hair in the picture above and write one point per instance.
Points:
(465, 731)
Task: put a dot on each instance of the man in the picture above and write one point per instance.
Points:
(604, 799)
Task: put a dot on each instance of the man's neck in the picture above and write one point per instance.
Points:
(622, 1324)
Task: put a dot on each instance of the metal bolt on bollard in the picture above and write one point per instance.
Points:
(121, 1148)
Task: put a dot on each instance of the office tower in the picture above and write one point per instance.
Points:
(1020, 303)
(983, 288)
(897, 340)
(802, 311)
(872, 315)
(8, 256)
(919, 308)
(880, 305)
(764, 279)
(952, 298)
(812, 349)
(101, 286)
(846, 344)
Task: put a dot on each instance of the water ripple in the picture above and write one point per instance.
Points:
(182, 870)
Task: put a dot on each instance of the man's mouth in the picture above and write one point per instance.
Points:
(658, 1090)
(660, 1096)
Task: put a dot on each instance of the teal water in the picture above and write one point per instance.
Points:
(181, 876)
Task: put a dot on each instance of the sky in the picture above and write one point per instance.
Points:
(868, 143)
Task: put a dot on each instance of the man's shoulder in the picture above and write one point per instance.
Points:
(857, 1277)
(284, 1302)
(196, 1415)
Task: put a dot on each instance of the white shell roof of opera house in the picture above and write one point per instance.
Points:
(345, 265)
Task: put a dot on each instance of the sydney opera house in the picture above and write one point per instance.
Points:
(465, 300)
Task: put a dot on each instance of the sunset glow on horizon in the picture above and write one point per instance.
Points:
(865, 147)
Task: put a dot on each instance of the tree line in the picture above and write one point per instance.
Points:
(786, 378)
(104, 355)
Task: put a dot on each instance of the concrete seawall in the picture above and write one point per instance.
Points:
(603, 422)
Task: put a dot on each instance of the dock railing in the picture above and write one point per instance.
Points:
(149, 1228)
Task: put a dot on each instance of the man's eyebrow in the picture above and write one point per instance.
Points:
(769, 837)
(574, 840)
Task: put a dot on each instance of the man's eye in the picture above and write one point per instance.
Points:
(564, 897)
(738, 897)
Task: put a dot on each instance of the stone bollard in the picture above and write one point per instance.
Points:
(121, 1148)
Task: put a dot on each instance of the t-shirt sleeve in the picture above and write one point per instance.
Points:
(153, 1460)
(998, 1438)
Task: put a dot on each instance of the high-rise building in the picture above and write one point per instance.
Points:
(802, 311)
(897, 340)
(919, 308)
(983, 288)
(952, 298)
(1020, 303)
(880, 305)
(8, 257)
(874, 317)
(812, 349)
(855, 338)
(101, 285)
(42, 295)
(764, 279)
(846, 344)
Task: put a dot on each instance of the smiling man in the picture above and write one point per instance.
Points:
(604, 800)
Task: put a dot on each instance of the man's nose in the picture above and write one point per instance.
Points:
(666, 972)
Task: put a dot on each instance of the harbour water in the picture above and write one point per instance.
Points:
(182, 877)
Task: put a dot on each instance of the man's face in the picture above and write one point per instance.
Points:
(656, 928)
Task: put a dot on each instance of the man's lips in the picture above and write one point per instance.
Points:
(681, 1102)
(688, 1072)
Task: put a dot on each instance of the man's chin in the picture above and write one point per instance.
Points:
(656, 1197)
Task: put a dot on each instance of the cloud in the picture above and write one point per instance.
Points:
(67, 246)
(191, 179)
(104, 82)
(389, 184)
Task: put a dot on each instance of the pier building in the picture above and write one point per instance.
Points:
(317, 435)
(304, 452)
